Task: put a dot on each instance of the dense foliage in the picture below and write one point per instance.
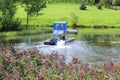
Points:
(70, 1)
(106, 3)
(91, 2)
(29, 65)
(8, 9)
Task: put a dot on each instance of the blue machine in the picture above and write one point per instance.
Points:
(60, 33)
(60, 26)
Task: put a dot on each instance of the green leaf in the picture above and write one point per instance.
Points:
(118, 72)
(0, 59)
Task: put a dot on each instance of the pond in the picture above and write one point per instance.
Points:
(90, 45)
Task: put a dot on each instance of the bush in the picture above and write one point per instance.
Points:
(8, 24)
(83, 6)
(99, 6)
(16, 24)
(74, 19)
(8, 10)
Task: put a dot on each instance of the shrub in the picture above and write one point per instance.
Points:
(0, 18)
(8, 24)
(83, 6)
(99, 6)
(74, 19)
(8, 10)
(16, 24)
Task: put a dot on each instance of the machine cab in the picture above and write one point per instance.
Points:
(60, 33)
(59, 30)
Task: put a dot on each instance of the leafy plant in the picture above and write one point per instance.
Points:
(8, 9)
(74, 19)
(99, 6)
(10, 24)
(24, 65)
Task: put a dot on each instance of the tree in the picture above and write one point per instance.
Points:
(8, 9)
(32, 7)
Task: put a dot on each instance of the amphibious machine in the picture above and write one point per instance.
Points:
(60, 34)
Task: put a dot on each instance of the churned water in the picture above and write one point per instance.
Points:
(79, 49)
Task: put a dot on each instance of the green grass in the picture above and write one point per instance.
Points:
(57, 12)
(99, 31)
(26, 32)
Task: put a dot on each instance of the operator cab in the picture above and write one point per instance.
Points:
(59, 30)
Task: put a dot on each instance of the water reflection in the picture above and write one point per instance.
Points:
(25, 39)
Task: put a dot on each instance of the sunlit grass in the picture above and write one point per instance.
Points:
(57, 12)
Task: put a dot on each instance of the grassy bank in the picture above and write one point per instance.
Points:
(91, 31)
(30, 65)
(32, 31)
(43, 30)
(90, 17)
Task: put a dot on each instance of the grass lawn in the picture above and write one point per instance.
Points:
(57, 12)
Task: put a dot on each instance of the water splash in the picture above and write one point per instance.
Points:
(61, 43)
(79, 49)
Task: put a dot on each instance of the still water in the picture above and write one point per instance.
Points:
(90, 48)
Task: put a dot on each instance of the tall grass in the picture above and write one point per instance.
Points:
(24, 32)
(112, 31)
(57, 12)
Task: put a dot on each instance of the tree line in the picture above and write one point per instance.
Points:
(106, 3)
(90, 2)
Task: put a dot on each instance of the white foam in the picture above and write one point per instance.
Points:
(61, 43)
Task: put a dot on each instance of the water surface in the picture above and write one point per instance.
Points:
(90, 48)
